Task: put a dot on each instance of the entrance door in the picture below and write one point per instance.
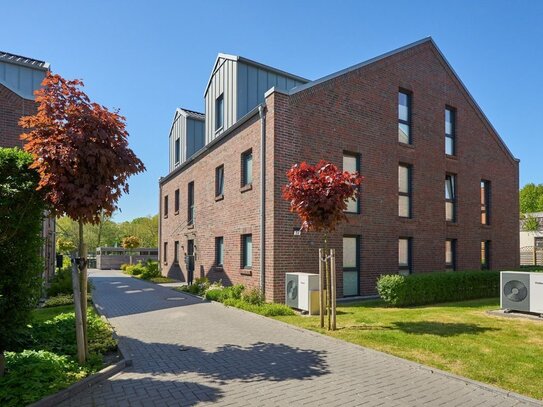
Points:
(351, 266)
(190, 262)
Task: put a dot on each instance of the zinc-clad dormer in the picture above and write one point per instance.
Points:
(186, 136)
(236, 86)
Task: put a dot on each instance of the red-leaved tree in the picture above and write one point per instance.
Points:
(81, 153)
(319, 195)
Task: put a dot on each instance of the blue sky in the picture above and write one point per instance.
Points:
(149, 57)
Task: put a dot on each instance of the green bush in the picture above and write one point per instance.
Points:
(124, 266)
(135, 269)
(253, 296)
(61, 283)
(433, 288)
(21, 215)
(266, 309)
(32, 375)
(61, 299)
(150, 270)
(221, 294)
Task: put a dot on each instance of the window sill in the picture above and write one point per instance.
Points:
(246, 188)
(165, 216)
(405, 218)
(191, 226)
(219, 197)
(451, 157)
(406, 145)
(246, 272)
(486, 226)
(219, 129)
(176, 213)
(451, 223)
(219, 269)
(165, 263)
(351, 213)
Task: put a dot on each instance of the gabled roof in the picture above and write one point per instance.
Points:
(237, 58)
(20, 60)
(191, 113)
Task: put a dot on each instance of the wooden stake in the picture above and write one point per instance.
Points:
(83, 274)
(80, 337)
(321, 290)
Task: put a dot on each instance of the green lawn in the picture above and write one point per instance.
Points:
(457, 337)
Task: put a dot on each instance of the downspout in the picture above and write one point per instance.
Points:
(262, 263)
(160, 254)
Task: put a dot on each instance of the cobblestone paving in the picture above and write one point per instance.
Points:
(187, 352)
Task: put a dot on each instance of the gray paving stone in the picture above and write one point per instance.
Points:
(233, 358)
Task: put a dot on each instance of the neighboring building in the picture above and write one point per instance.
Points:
(531, 239)
(440, 189)
(111, 258)
(19, 78)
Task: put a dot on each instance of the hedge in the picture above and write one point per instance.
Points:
(433, 288)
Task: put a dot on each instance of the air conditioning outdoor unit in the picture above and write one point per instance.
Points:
(522, 291)
(302, 291)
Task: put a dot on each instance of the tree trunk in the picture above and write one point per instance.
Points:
(80, 337)
(2, 364)
(83, 273)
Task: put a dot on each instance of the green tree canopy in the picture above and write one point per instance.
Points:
(531, 198)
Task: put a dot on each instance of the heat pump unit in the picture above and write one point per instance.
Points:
(522, 291)
(300, 291)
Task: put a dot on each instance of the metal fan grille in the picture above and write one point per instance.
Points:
(292, 290)
(515, 291)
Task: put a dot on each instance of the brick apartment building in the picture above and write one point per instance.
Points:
(440, 189)
(19, 78)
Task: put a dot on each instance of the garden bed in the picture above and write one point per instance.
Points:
(459, 337)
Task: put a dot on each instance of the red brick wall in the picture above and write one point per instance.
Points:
(12, 108)
(356, 112)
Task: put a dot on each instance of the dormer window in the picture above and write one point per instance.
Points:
(219, 112)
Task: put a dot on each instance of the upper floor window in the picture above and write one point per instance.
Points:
(165, 254)
(176, 201)
(247, 168)
(404, 117)
(485, 255)
(450, 131)
(219, 180)
(177, 150)
(219, 251)
(166, 206)
(450, 198)
(450, 254)
(246, 251)
(404, 255)
(219, 112)
(485, 202)
(190, 196)
(351, 163)
(176, 251)
(404, 191)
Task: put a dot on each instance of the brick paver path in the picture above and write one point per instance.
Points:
(187, 352)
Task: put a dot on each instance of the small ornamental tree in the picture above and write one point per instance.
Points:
(319, 195)
(80, 150)
(65, 245)
(130, 242)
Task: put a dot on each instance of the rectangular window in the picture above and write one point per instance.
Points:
(190, 196)
(176, 201)
(166, 206)
(351, 163)
(404, 117)
(219, 112)
(246, 251)
(177, 151)
(404, 255)
(404, 191)
(450, 131)
(450, 254)
(219, 181)
(165, 254)
(176, 252)
(450, 198)
(247, 168)
(219, 251)
(351, 265)
(485, 255)
(485, 202)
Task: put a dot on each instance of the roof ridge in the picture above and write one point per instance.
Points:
(22, 60)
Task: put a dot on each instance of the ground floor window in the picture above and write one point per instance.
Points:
(450, 254)
(405, 255)
(485, 255)
(351, 266)
(219, 251)
(165, 255)
(246, 251)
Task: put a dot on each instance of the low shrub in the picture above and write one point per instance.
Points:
(433, 288)
(32, 375)
(134, 269)
(538, 269)
(124, 266)
(61, 299)
(61, 283)
(224, 293)
(199, 287)
(266, 309)
(150, 270)
(253, 296)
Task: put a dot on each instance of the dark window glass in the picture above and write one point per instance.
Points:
(219, 181)
(190, 196)
(404, 191)
(450, 198)
(404, 117)
(450, 254)
(247, 251)
(485, 202)
(165, 254)
(219, 112)
(176, 252)
(450, 131)
(177, 151)
(404, 255)
(247, 168)
(485, 255)
(166, 206)
(351, 265)
(219, 251)
(176, 201)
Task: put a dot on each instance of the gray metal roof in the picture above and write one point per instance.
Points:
(191, 113)
(25, 61)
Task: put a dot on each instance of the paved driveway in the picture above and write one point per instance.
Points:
(187, 352)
